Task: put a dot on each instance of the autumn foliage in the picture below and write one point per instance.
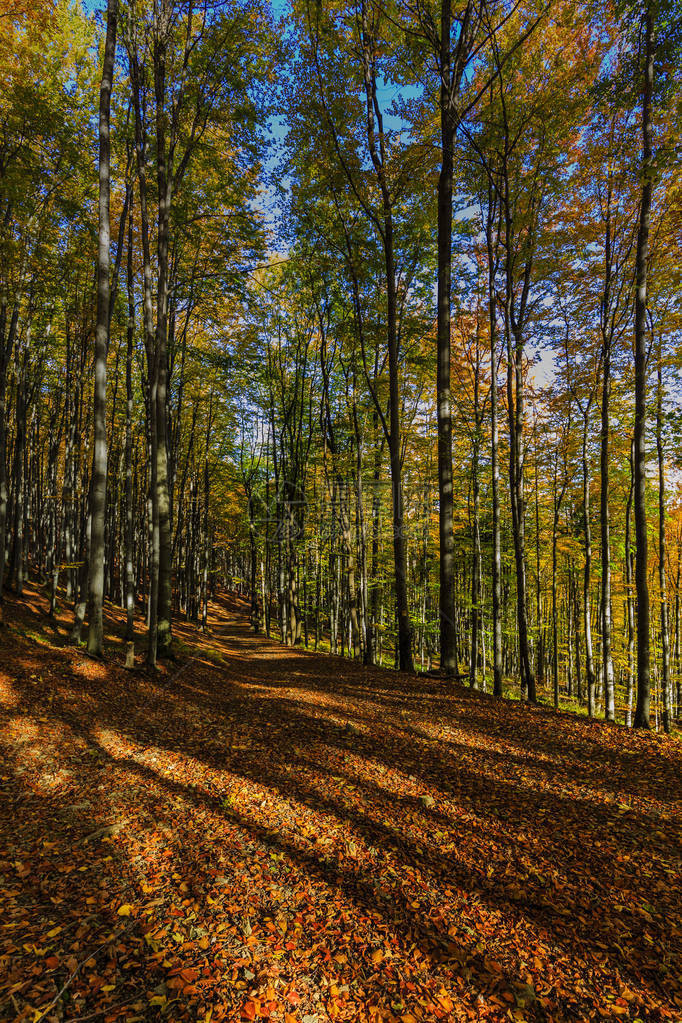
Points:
(261, 833)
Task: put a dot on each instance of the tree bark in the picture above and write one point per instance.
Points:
(604, 506)
(446, 599)
(663, 596)
(6, 347)
(98, 487)
(129, 509)
(642, 710)
(587, 573)
(494, 459)
(164, 184)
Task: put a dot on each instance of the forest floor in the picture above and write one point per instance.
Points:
(261, 833)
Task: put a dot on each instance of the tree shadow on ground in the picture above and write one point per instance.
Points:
(525, 869)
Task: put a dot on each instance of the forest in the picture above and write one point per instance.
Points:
(340, 465)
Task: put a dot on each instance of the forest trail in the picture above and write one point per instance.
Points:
(263, 833)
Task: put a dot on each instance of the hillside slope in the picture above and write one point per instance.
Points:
(261, 833)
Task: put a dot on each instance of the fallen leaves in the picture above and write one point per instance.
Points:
(445, 858)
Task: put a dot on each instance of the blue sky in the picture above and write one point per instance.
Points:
(279, 7)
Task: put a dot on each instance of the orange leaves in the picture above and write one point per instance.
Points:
(504, 903)
(445, 1001)
(493, 966)
(263, 1008)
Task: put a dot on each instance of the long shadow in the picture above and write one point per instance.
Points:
(512, 825)
(406, 926)
(583, 745)
(532, 903)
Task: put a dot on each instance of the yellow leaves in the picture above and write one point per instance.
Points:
(124, 910)
(281, 923)
(153, 943)
(445, 1001)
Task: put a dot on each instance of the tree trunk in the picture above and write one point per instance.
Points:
(164, 184)
(555, 625)
(446, 600)
(629, 597)
(665, 636)
(642, 711)
(129, 509)
(517, 494)
(98, 486)
(604, 507)
(587, 574)
(6, 346)
(494, 462)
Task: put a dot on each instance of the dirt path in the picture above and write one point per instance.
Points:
(263, 833)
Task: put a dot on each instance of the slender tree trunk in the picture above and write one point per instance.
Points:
(576, 638)
(253, 549)
(540, 656)
(475, 574)
(98, 487)
(663, 595)
(587, 574)
(446, 600)
(678, 645)
(604, 509)
(555, 623)
(150, 345)
(517, 494)
(476, 531)
(605, 522)
(16, 569)
(394, 441)
(205, 539)
(642, 711)
(629, 595)
(494, 461)
(569, 639)
(6, 347)
(129, 509)
(164, 183)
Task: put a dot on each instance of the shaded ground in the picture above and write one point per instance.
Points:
(264, 833)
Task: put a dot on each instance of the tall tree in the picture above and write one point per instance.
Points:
(642, 710)
(98, 486)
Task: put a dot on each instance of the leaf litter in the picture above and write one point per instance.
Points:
(297, 838)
